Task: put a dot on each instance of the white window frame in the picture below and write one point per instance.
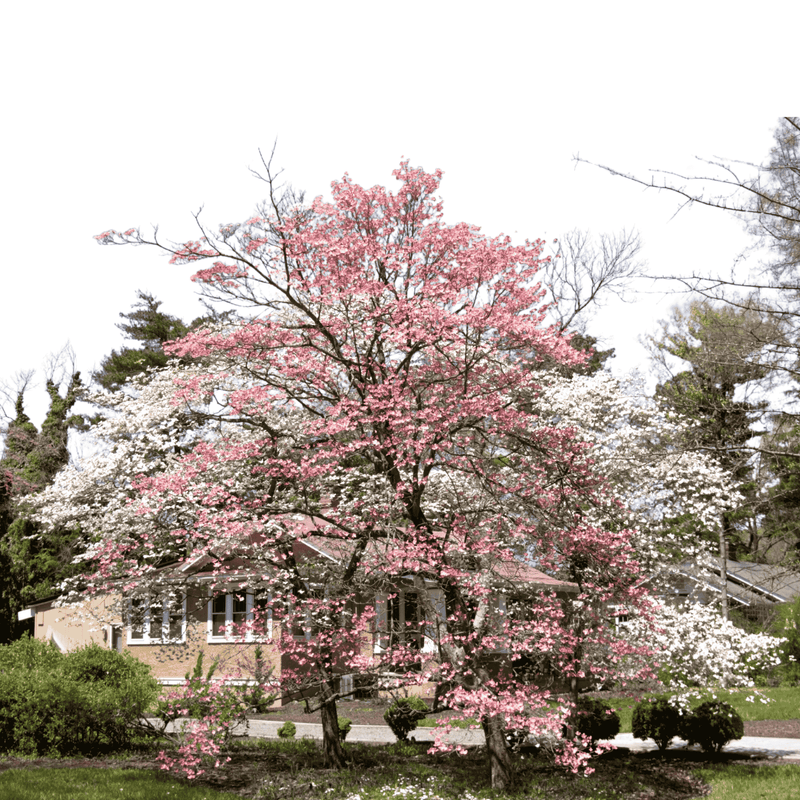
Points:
(428, 628)
(621, 616)
(166, 609)
(229, 636)
(308, 624)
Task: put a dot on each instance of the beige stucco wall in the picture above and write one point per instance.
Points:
(74, 627)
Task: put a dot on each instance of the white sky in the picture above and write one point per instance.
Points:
(121, 115)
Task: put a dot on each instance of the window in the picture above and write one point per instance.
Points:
(619, 614)
(157, 622)
(228, 613)
(401, 621)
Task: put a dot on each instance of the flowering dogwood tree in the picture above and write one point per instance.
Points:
(696, 647)
(672, 497)
(143, 432)
(385, 411)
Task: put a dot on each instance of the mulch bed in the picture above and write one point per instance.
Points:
(774, 728)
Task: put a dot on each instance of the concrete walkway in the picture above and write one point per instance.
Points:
(753, 745)
(380, 734)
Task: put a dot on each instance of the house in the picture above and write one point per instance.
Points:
(754, 589)
(168, 633)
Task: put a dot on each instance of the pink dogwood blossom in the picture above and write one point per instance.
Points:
(379, 441)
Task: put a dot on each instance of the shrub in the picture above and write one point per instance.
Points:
(656, 719)
(73, 702)
(256, 697)
(404, 714)
(696, 647)
(203, 698)
(94, 664)
(27, 653)
(197, 688)
(345, 725)
(712, 725)
(287, 730)
(594, 718)
(787, 625)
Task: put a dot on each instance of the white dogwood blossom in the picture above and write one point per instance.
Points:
(695, 646)
(144, 432)
(672, 498)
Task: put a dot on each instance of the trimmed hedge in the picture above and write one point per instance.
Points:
(594, 718)
(404, 714)
(712, 725)
(656, 719)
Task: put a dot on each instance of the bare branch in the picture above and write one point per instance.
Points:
(584, 270)
(12, 390)
(60, 366)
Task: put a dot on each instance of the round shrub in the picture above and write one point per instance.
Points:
(712, 725)
(287, 730)
(345, 725)
(95, 664)
(404, 714)
(594, 718)
(656, 719)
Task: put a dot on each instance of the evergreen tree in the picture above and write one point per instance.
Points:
(152, 329)
(149, 326)
(777, 537)
(720, 345)
(32, 562)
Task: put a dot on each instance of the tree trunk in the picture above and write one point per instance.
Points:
(723, 579)
(331, 744)
(723, 571)
(494, 730)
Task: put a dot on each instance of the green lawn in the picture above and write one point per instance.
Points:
(743, 782)
(294, 769)
(419, 782)
(99, 784)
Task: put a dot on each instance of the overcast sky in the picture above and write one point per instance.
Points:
(123, 115)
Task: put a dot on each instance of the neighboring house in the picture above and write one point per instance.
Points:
(754, 589)
(169, 635)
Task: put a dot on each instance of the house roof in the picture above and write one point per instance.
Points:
(312, 542)
(747, 584)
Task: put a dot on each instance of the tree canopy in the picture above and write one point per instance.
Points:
(376, 399)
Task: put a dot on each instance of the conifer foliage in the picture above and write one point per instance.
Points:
(32, 562)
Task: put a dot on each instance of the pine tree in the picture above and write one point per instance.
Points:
(149, 326)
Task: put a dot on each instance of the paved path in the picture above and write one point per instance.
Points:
(380, 734)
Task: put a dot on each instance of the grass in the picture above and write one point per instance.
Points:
(291, 770)
(294, 769)
(745, 782)
(785, 703)
(88, 783)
